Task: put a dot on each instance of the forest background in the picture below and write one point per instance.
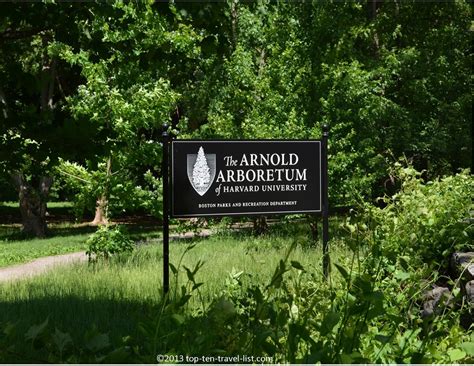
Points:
(86, 87)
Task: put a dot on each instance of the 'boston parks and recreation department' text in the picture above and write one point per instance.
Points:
(247, 204)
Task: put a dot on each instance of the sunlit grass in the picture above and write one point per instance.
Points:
(20, 251)
(62, 204)
(62, 238)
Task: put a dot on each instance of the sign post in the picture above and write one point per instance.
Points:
(324, 172)
(166, 239)
(237, 177)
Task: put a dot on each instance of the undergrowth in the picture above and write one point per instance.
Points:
(370, 311)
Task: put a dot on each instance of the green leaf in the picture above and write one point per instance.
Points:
(401, 275)
(189, 273)
(329, 322)
(178, 318)
(183, 300)
(294, 311)
(383, 338)
(342, 271)
(468, 347)
(456, 354)
(345, 358)
(190, 247)
(9, 328)
(269, 347)
(197, 285)
(118, 355)
(61, 339)
(364, 283)
(277, 277)
(98, 342)
(173, 269)
(36, 330)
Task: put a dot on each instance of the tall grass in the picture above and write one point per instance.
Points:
(114, 295)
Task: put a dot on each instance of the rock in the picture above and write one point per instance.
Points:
(463, 263)
(435, 297)
(470, 293)
(470, 271)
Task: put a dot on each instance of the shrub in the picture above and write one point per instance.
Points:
(423, 221)
(107, 241)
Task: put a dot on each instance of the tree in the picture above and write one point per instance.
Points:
(389, 78)
(127, 96)
(34, 83)
(201, 175)
(92, 84)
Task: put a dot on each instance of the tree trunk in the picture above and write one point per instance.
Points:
(48, 72)
(102, 204)
(100, 217)
(33, 204)
(373, 7)
(260, 225)
(234, 18)
(3, 102)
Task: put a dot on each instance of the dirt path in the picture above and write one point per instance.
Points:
(39, 266)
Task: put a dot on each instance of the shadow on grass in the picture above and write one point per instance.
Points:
(14, 233)
(11, 214)
(79, 317)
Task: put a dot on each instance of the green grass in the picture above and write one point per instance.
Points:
(63, 235)
(25, 251)
(62, 204)
(63, 238)
(11, 211)
(14, 251)
(114, 296)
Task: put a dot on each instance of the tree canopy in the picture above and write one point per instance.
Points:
(86, 87)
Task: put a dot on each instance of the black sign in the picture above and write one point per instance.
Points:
(216, 178)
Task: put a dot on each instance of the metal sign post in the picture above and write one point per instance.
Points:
(324, 172)
(166, 239)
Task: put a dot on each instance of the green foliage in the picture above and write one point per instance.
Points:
(126, 96)
(281, 308)
(108, 241)
(294, 316)
(86, 89)
(424, 221)
(86, 184)
(94, 84)
(34, 130)
(75, 181)
(51, 345)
